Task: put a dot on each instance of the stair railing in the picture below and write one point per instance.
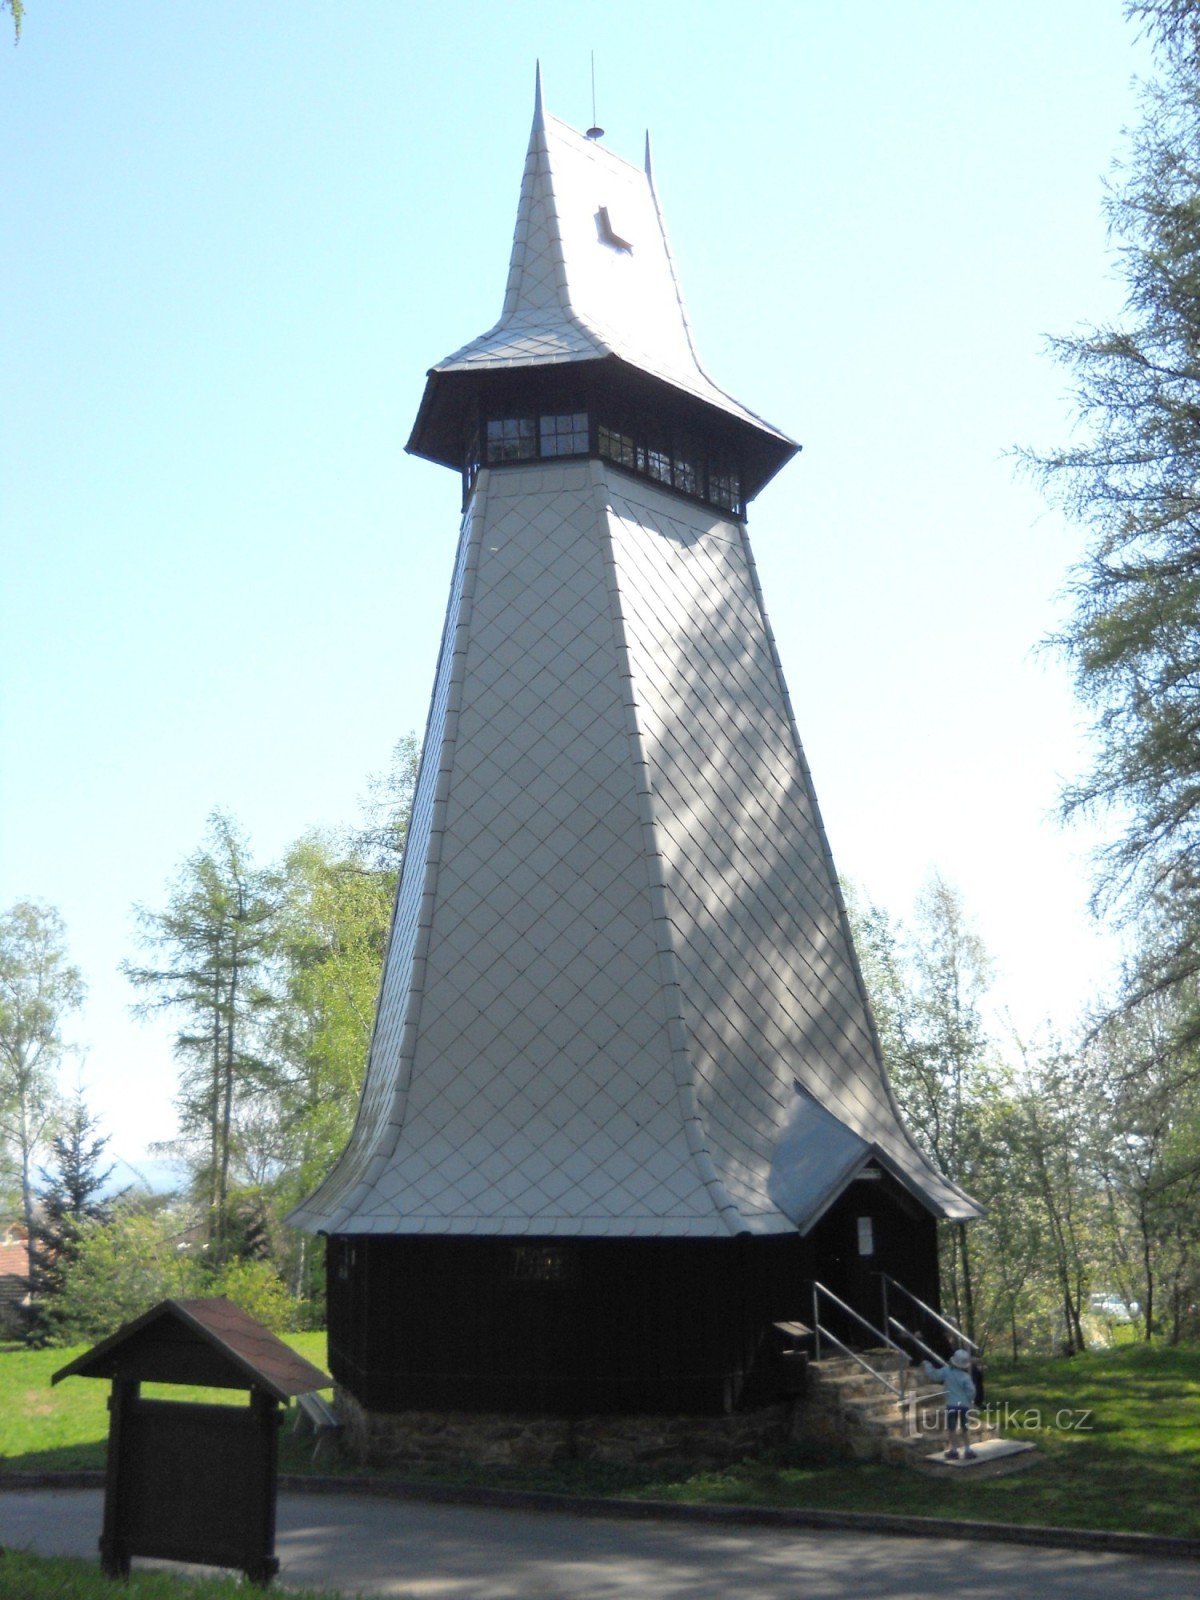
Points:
(819, 1333)
(930, 1355)
(886, 1279)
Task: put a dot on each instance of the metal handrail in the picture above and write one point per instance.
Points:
(928, 1310)
(819, 1289)
(896, 1389)
(916, 1338)
(857, 1315)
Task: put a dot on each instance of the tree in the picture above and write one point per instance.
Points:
(336, 913)
(1145, 1124)
(214, 941)
(378, 843)
(120, 1269)
(336, 904)
(1134, 635)
(72, 1194)
(38, 989)
(927, 987)
(16, 10)
(1051, 1140)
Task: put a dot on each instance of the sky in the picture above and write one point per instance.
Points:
(235, 238)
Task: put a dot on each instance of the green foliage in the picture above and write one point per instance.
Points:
(1049, 1133)
(927, 983)
(121, 1269)
(274, 974)
(378, 843)
(1134, 480)
(336, 914)
(257, 1288)
(16, 10)
(1145, 1100)
(38, 989)
(214, 942)
(70, 1196)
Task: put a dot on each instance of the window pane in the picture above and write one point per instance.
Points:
(616, 446)
(511, 439)
(687, 475)
(724, 487)
(565, 434)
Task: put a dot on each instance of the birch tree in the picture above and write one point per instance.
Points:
(39, 988)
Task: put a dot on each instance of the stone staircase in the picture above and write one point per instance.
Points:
(847, 1408)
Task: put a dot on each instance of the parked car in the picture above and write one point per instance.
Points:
(1111, 1305)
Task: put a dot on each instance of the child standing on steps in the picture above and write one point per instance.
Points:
(960, 1397)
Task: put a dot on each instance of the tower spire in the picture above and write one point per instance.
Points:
(590, 280)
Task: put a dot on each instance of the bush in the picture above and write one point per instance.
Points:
(258, 1289)
(121, 1269)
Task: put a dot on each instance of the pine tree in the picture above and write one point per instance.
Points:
(73, 1193)
(215, 942)
(1134, 635)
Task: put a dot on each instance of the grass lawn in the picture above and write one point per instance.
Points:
(1132, 1462)
(26, 1577)
(1118, 1432)
(65, 1428)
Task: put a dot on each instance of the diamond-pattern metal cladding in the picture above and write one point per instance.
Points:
(380, 1107)
(771, 993)
(541, 1096)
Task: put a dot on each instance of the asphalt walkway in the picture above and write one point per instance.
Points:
(371, 1546)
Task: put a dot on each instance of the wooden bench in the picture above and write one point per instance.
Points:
(314, 1411)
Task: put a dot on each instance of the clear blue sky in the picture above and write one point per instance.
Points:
(237, 235)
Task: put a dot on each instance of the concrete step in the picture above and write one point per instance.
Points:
(849, 1385)
(920, 1446)
(875, 1424)
(994, 1458)
(935, 1440)
(840, 1366)
(882, 1407)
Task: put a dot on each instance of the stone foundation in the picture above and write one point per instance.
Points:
(459, 1438)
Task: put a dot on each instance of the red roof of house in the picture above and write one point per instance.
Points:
(14, 1262)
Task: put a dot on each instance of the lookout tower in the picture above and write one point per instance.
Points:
(624, 1095)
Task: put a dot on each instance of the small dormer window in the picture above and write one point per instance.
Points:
(613, 230)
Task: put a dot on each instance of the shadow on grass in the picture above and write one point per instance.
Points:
(85, 1456)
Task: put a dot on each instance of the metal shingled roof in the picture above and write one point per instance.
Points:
(618, 944)
(574, 292)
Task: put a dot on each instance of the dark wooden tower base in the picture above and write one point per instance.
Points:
(603, 1327)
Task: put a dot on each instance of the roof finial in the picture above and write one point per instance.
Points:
(649, 168)
(539, 116)
(594, 132)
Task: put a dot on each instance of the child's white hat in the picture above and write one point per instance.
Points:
(961, 1358)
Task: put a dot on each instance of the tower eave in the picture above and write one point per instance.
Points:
(453, 397)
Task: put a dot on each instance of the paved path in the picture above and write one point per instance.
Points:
(435, 1552)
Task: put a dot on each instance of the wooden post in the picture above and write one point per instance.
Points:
(268, 1419)
(114, 1553)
